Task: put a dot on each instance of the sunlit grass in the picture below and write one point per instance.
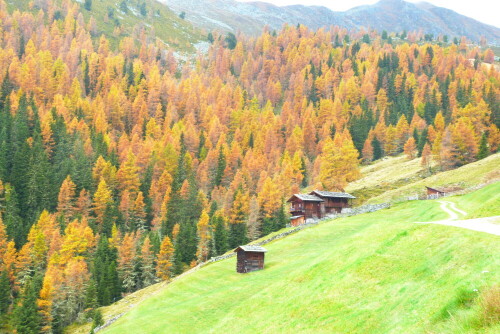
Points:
(395, 178)
(373, 273)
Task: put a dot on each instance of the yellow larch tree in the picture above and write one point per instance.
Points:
(102, 198)
(269, 198)
(165, 259)
(203, 233)
(128, 174)
(339, 162)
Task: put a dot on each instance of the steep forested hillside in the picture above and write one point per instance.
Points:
(120, 167)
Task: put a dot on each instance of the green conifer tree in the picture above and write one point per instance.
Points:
(483, 147)
(220, 236)
(221, 166)
(5, 293)
(377, 149)
(237, 235)
(422, 140)
(26, 316)
(104, 273)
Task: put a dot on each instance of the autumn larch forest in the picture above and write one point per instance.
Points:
(121, 167)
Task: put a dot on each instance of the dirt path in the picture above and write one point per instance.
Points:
(450, 210)
(453, 207)
(486, 224)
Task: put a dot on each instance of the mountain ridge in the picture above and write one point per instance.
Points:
(390, 15)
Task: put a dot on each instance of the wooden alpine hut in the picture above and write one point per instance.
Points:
(334, 202)
(307, 206)
(434, 193)
(249, 258)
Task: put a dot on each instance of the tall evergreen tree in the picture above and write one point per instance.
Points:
(41, 193)
(105, 274)
(483, 147)
(5, 293)
(26, 316)
(175, 205)
(5, 90)
(91, 295)
(221, 166)
(14, 224)
(220, 235)
(281, 219)
(268, 226)
(186, 243)
(422, 140)
(237, 235)
(377, 149)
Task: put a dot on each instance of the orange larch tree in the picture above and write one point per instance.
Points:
(165, 260)
(410, 148)
(66, 200)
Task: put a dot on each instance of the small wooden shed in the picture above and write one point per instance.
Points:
(297, 220)
(249, 258)
(432, 192)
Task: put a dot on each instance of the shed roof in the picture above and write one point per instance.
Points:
(251, 248)
(439, 191)
(306, 197)
(331, 194)
(295, 217)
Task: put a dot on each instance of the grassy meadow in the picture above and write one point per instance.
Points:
(484, 203)
(372, 273)
(395, 178)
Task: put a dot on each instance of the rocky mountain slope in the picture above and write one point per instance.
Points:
(390, 15)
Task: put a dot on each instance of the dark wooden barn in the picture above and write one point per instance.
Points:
(434, 193)
(249, 258)
(334, 202)
(308, 206)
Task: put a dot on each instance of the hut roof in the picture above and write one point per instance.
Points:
(331, 194)
(307, 198)
(251, 248)
(438, 190)
(295, 217)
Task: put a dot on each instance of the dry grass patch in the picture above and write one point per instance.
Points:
(490, 305)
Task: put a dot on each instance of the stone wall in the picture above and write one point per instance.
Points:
(261, 243)
(365, 209)
(109, 322)
(347, 212)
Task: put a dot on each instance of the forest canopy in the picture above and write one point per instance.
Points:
(119, 168)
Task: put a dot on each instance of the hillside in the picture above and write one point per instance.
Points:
(390, 15)
(359, 274)
(137, 18)
(122, 166)
(395, 178)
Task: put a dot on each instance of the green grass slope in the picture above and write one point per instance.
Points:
(372, 273)
(126, 15)
(485, 203)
